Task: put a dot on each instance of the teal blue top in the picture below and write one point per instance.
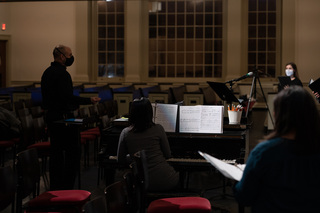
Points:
(277, 180)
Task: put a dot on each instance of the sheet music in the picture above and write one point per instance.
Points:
(234, 172)
(201, 119)
(166, 116)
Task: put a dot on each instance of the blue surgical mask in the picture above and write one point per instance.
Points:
(289, 72)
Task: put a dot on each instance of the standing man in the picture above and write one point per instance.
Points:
(60, 103)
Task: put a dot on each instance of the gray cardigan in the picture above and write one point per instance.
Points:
(162, 176)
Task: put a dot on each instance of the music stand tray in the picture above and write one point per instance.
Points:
(223, 92)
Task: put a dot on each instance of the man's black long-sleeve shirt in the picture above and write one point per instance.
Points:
(57, 90)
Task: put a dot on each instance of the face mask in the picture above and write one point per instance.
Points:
(289, 72)
(69, 61)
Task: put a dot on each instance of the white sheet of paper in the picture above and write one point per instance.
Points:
(228, 170)
(166, 115)
(201, 119)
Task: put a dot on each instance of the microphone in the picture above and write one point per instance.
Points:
(242, 77)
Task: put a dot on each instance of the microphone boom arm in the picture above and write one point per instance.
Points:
(241, 78)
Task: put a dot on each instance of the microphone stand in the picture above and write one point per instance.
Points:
(254, 87)
(231, 83)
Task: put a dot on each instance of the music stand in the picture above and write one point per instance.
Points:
(223, 92)
(254, 90)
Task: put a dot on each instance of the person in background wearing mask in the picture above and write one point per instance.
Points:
(292, 72)
(59, 103)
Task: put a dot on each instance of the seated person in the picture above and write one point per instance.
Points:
(282, 173)
(144, 134)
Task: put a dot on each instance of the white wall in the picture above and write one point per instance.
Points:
(308, 39)
(36, 28)
(234, 37)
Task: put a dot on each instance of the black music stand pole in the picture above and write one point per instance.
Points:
(254, 90)
(253, 87)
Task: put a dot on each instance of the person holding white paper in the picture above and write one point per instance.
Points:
(144, 134)
(282, 173)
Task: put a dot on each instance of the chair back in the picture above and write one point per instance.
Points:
(141, 179)
(84, 112)
(7, 105)
(140, 169)
(105, 122)
(177, 93)
(28, 170)
(101, 109)
(134, 197)
(27, 130)
(97, 205)
(7, 187)
(18, 105)
(23, 112)
(111, 108)
(117, 198)
(209, 96)
(93, 110)
(36, 111)
(28, 103)
(39, 125)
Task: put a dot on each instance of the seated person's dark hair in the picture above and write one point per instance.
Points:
(141, 114)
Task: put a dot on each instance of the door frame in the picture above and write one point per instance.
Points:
(7, 38)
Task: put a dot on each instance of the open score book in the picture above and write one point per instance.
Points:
(230, 171)
(189, 119)
(166, 115)
(201, 119)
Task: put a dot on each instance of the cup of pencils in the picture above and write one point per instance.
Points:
(234, 113)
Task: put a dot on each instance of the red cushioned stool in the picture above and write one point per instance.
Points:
(42, 147)
(66, 200)
(180, 205)
(172, 204)
(28, 171)
(94, 130)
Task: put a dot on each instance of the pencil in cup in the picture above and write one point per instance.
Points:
(235, 108)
